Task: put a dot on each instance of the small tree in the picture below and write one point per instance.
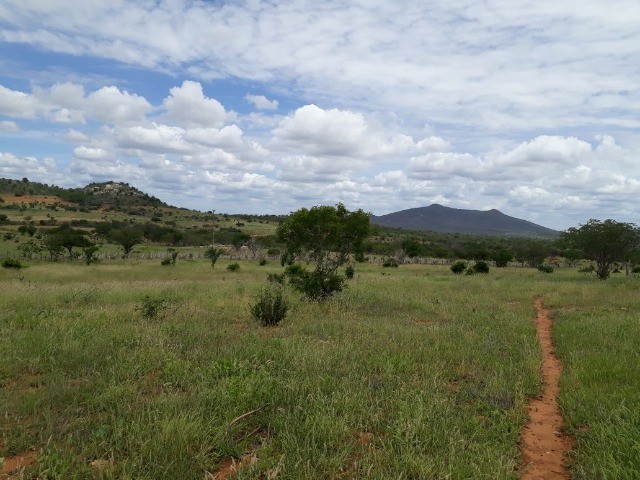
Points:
(327, 235)
(604, 242)
(502, 256)
(67, 238)
(213, 253)
(89, 254)
(127, 237)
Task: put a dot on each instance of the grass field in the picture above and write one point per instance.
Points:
(411, 373)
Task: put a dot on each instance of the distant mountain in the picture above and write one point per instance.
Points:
(437, 218)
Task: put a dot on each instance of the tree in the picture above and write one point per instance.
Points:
(502, 256)
(67, 238)
(127, 236)
(213, 253)
(604, 242)
(326, 235)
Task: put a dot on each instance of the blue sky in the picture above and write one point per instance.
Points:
(530, 107)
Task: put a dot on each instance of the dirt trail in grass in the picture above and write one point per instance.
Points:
(543, 445)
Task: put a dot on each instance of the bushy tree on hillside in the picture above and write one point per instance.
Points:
(127, 236)
(604, 242)
(326, 235)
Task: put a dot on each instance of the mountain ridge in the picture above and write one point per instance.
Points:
(439, 218)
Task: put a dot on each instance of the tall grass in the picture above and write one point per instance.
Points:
(433, 370)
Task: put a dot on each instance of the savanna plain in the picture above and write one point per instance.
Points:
(127, 369)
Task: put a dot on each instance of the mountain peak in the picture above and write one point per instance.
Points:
(439, 218)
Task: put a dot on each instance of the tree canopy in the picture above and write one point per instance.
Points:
(326, 235)
(604, 242)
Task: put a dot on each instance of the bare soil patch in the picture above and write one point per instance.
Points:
(13, 467)
(543, 444)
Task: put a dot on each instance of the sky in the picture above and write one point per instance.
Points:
(529, 107)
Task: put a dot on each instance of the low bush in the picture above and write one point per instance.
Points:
(481, 267)
(349, 272)
(270, 306)
(390, 263)
(276, 278)
(588, 269)
(166, 261)
(233, 267)
(545, 268)
(635, 269)
(458, 267)
(11, 263)
(262, 262)
(152, 307)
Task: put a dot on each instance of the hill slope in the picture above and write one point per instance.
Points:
(106, 194)
(438, 218)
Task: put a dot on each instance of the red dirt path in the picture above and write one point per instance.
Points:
(543, 444)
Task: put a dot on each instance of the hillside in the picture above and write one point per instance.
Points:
(438, 218)
(95, 195)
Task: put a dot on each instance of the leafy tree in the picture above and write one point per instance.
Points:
(213, 253)
(326, 235)
(502, 256)
(127, 236)
(604, 242)
(411, 247)
(67, 238)
(89, 253)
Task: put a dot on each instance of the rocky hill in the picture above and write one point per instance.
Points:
(438, 218)
(116, 195)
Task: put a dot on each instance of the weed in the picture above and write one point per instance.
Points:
(153, 307)
(12, 263)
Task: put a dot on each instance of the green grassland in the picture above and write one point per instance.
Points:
(411, 373)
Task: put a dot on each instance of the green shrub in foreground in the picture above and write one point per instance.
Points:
(545, 268)
(390, 263)
(233, 267)
(270, 307)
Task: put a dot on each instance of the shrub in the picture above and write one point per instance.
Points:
(276, 278)
(270, 307)
(152, 307)
(166, 261)
(262, 262)
(390, 262)
(545, 268)
(481, 267)
(349, 272)
(11, 263)
(233, 267)
(470, 271)
(213, 254)
(458, 267)
(588, 269)
(635, 269)
(316, 285)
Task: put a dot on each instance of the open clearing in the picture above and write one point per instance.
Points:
(416, 373)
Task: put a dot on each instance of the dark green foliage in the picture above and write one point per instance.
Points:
(233, 267)
(635, 269)
(587, 269)
(349, 272)
(315, 285)
(166, 261)
(65, 237)
(545, 268)
(89, 254)
(262, 262)
(412, 248)
(481, 267)
(458, 267)
(604, 242)
(3, 218)
(270, 306)
(152, 307)
(327, 235)
(276, 278)
(127, 236)
(11, 263)
(502, 256)
(213, 253)
(390, 262)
